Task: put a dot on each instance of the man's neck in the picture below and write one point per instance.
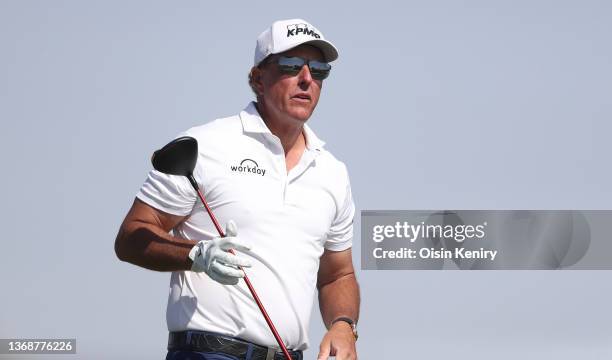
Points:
(289, 131)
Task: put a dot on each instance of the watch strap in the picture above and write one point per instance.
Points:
(345, 319)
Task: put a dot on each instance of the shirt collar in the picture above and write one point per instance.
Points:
(253, 123)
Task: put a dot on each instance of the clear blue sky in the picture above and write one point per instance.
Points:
(432, 105)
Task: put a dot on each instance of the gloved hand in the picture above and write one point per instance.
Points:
(213, 257)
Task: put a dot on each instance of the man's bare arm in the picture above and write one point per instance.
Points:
(143, 240)
(338, 289)
(338, 296)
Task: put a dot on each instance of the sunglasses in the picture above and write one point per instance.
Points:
(319, 70)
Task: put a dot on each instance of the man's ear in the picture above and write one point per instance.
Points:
(256, 82)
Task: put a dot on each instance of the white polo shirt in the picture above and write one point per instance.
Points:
(289, 219)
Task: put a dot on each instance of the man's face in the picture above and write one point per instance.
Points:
(293, 96)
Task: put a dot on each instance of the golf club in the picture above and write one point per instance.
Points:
(179, 157)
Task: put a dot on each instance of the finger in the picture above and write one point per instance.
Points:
(226, 270)
(225, 280)
(231, 229)
(231, 259)
(346, 352)
(344, 355)
(324, 350)
(350, 356)
(227, 243)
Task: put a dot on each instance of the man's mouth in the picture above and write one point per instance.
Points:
(302, 97)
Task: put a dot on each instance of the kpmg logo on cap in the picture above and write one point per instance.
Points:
(297, 29)
(248, 166)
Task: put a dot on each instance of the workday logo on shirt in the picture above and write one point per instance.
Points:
(248, 166)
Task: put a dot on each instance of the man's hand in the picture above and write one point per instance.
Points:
(213, 257)
(339, 342)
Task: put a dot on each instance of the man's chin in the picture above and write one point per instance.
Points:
(301, 114)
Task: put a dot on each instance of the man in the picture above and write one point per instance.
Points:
(289, 213)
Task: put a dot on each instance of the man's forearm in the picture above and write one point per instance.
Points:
(150, 247)
(339, 298)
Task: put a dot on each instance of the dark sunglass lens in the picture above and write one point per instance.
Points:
(290, 65)
(319, 70)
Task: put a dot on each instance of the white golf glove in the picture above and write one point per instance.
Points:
(213, 257)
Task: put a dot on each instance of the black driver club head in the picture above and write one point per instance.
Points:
(178, 157)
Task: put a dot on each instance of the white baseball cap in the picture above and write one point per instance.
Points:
(287, 34)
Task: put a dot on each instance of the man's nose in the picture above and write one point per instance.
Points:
(305, 77)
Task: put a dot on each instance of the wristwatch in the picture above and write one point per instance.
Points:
(350, 322)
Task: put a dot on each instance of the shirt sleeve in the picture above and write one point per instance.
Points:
(340, 235)
(172, 194)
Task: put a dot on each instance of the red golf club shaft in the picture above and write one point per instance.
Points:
(246, 279)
